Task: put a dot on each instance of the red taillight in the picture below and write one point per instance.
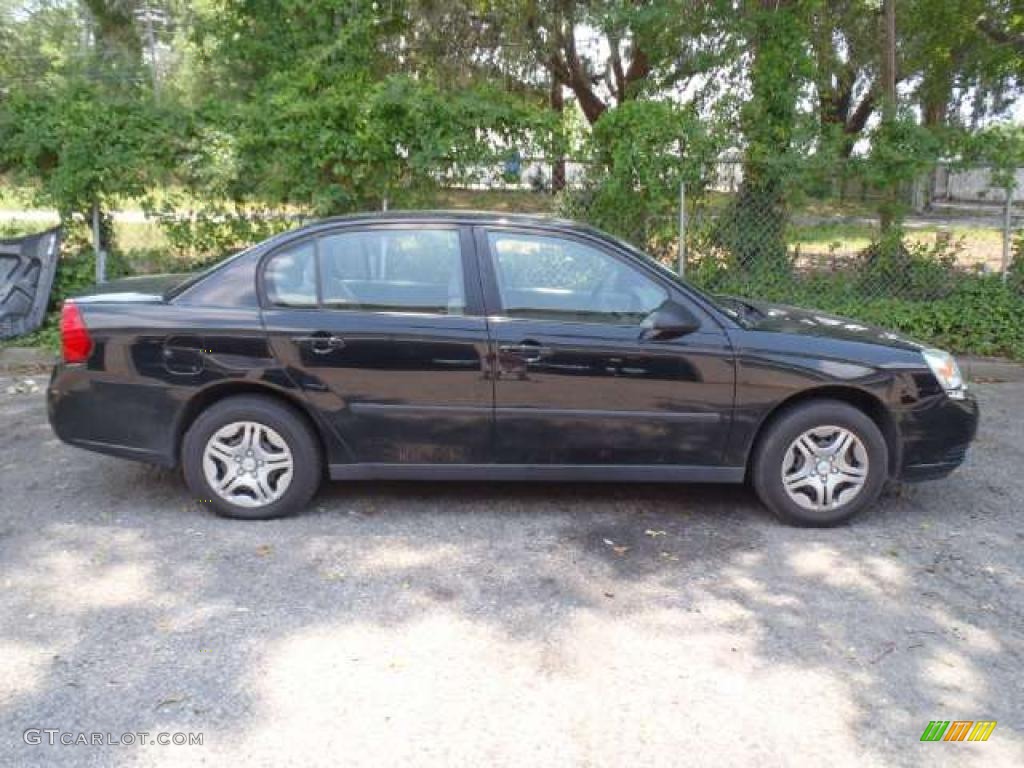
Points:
(75, 344)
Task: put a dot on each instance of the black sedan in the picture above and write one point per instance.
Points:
(463, 346)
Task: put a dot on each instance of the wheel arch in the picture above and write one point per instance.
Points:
(860, 399)
(221, 391)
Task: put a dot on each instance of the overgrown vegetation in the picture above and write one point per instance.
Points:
(259, 114)
(979, 314)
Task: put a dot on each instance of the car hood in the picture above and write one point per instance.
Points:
(27, 268)
(780, 318)
(147, 288)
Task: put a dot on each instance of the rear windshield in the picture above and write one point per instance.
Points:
(195, 277)
(231, 283)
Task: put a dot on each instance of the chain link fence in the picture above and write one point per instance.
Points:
(824, 217)
(819, 236)
(810, 235)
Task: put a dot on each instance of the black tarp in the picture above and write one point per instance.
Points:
(27, 268)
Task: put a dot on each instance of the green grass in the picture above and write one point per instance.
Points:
(829, 236)
(46, 336)
(18, 228)
(973, 245)
(131, 236)
(16, 197)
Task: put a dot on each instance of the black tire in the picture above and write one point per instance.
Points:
(288, 423)
(779, 435)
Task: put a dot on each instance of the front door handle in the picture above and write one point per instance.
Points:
(321, 343)
(530, 351)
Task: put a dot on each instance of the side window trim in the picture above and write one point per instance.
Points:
(473, 284)
(316, 272)
(491, 293)
(494, 306)
(263, 294)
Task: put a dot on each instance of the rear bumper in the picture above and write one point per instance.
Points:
(936, 436)
(132, 421)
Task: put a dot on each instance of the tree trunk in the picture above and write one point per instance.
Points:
(888, 222)
(935, 114)
(754, 229)
(558, 166)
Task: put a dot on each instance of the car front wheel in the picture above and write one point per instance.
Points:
(251, 457)
(820, 463)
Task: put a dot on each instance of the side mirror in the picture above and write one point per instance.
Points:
(669, 321)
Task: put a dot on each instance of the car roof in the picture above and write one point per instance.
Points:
(455, 217)
(466, 217)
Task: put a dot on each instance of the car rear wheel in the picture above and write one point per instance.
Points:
(251, 457)
(820, 464)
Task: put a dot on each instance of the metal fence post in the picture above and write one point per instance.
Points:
(682, 228)
(97, 246)
(1007, 230)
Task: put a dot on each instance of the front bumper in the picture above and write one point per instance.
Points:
(936, 434)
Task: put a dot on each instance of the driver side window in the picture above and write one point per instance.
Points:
(554, 278)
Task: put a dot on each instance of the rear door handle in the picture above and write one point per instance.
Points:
(321, 344)
(530, 351)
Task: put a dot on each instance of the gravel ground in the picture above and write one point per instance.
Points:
(473, 624)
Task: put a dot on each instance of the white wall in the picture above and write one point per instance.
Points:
(974, 185)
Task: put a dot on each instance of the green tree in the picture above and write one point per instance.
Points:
(324, 115)
(640, 152)
(77, 117)
(845, 49)
(86, 144)
(774, 131)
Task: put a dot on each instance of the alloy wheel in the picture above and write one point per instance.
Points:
(248, 464)
(825, 468)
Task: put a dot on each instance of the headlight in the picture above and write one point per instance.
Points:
(946, 370)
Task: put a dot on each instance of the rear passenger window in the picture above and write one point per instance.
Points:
(290, 276)
(410, 270)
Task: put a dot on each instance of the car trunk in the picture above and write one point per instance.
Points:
(147, 288)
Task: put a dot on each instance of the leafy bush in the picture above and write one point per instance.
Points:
(1015, 275)
(202, 237)
(979, 314)
(909, 270)
(86, 142)
(982, 317)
